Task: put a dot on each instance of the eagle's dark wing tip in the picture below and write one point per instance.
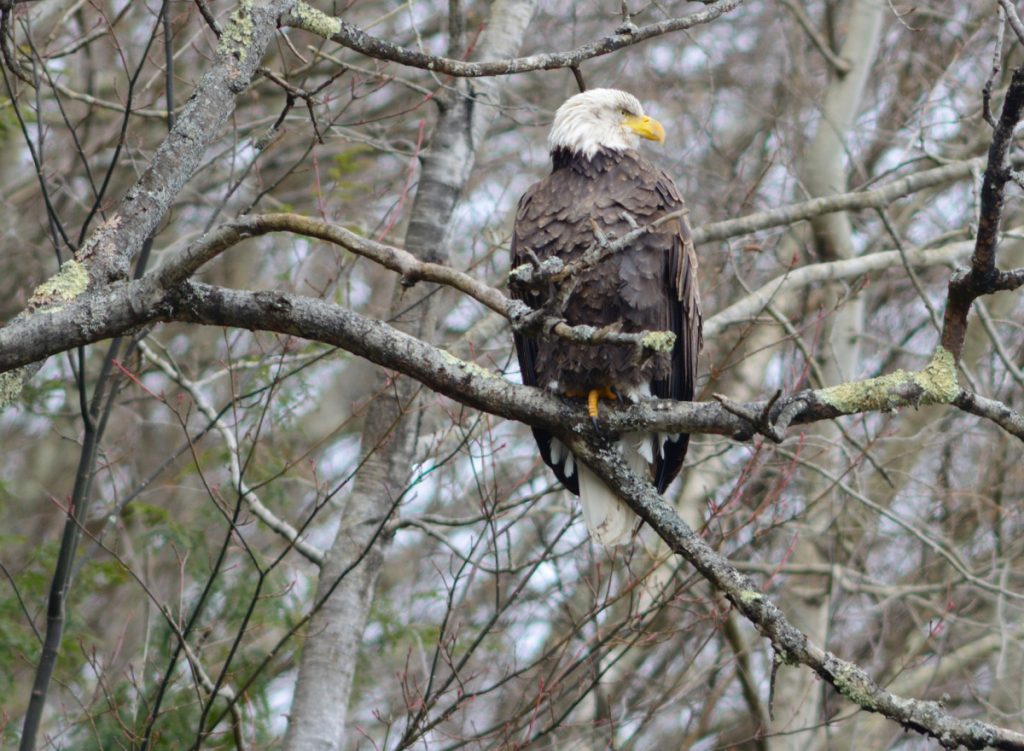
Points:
(569, 479)
(670, 462)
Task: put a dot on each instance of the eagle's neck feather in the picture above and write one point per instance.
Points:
(597, 162)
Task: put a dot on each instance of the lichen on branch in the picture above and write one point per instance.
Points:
(935, 384)
(67, 284)
(315, 21)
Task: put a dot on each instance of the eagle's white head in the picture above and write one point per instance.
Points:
(602, 118)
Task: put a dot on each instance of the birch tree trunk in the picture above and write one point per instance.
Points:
(798, 692)
(348, 577)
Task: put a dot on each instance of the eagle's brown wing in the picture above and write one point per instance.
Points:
(686, 322)
(562, 464)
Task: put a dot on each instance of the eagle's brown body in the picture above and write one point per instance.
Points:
(648, 286)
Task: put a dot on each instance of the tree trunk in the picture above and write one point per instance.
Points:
(349, 574)
(798, 692)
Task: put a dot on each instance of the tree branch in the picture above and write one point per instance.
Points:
(878, 198)
(115, 311)
(840, 64)
(349, 35)
(984, 277)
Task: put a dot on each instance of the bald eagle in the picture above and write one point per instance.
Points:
(600, 185)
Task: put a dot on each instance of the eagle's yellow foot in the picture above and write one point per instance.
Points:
(594, 397)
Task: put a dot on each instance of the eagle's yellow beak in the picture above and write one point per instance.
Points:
(646, 127)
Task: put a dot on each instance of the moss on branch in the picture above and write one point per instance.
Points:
(67, 284)
(935, 384)
(316, 21)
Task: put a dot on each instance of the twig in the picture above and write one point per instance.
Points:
(578, 75)
(840, 64)
(259, 510)
(760, 420)
(997, 67)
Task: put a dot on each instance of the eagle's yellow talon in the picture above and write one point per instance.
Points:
(594, 396)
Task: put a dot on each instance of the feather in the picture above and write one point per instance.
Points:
(609, 520)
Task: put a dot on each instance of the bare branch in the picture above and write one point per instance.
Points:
(861, 199)
(1011, 16)
(1009, 420)
(984, 277)
(753, 304)
(929, 718)
(351, 36)
(840, 65)
(282, 527)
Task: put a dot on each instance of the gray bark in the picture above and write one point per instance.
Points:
(799, 698)
(348, 577)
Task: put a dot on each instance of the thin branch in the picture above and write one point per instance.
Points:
(909, 268)
(753, 304)
(997, 343)
(841, 65)
(861, 199)
(997, 68)
(1008, 419)
(1014, 19)
(925, 717)
(259, 510)
(207, 15)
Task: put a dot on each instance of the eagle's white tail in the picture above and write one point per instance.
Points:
(609, 520)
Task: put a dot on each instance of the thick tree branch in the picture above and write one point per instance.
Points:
(984, 277)
(115, 311)
(349, 35)
(184, 263)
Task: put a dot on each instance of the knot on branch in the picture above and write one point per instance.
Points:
(273, 300)
(959, 278)
(518, 312)
(411, 278)
(771, 421)
(536, 274)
